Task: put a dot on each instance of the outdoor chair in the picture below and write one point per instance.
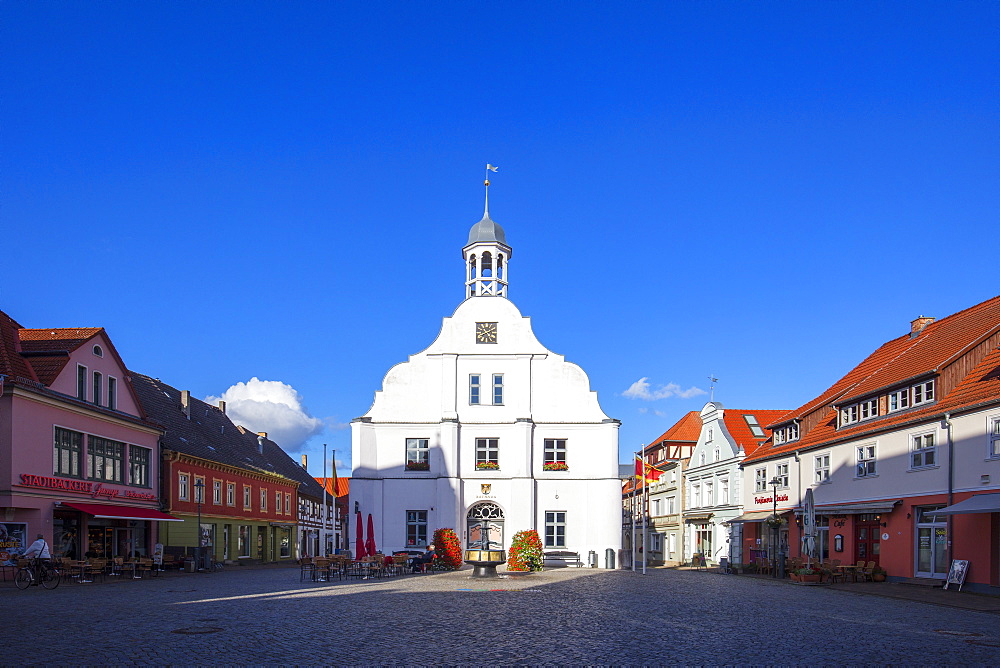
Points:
(96, 569)
(306, 567)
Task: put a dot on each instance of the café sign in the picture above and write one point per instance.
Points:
(95, 490)
(767, 499)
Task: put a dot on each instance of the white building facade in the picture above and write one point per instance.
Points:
(488, 428)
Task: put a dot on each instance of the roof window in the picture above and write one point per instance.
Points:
(754, 426)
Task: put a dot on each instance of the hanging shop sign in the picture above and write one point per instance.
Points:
(94, 489)
(767, 499)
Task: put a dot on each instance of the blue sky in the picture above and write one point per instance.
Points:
(760, 191)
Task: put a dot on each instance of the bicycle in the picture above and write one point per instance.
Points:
(37, 573)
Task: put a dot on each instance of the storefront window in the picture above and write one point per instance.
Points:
(66, 535)
(243, 541)
(285, 544)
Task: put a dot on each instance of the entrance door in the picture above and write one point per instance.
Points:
(932, 544)
(484, 527)
(867, 539)
(123, 543)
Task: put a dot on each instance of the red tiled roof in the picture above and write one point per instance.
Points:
(980, 387)
(905, 358)
(48, 368)
(64, 338)
(343, 485)
(11, 362)
(686, 429)
(740, 430)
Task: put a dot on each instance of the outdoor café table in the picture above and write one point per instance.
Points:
(80, 566)
(851, 571)
(130, 567)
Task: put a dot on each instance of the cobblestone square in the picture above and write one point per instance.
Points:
(566, 616)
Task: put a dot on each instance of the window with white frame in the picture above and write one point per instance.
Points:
(899, 400)
(288, 503)
(231, 494)
(723, 491)
(498, 389)
(81, 382)
(217, 492)
(555, 528)
(487, 453)
(781, 473)
(711, 435)
(866, 460)
(671, 543)
(277, 502)
(923, 392)
(717, 455)
(112, 393)
(416, 528)
(994, 436)
(671, 505)
(183, 486)
(821, 468)
(656, 507)
(868, 409)
(793, 431)
(247, 493)
(554, 451)
(474, 390)
(701, 458)
(923, 451)
(760, 479)
(263, 499)
(709, 494)
(418, 454)
(655, 542)
(98, 385)
(849, 415)
(695, 495)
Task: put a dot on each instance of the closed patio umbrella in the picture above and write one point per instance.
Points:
(360, 539)
(370, 543)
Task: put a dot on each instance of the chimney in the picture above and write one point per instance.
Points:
(305, 462)
(917, 325)
(222, 406)
(186, 403)
(261, 435)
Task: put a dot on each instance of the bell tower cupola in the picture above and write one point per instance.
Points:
(486, 256)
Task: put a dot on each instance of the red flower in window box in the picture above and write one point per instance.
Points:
(418, 466)
(555, 466)
(487, 466)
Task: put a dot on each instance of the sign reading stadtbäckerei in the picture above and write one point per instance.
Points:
(12, 542)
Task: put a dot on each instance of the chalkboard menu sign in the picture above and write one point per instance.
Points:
(956, 574)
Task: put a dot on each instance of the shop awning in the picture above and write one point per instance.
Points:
(701, 518)
(755, 516)
(980, 503)
(858, 508)
(107, 511)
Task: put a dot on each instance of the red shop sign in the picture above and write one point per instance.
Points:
(95, 490)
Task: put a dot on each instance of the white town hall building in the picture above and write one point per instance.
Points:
(488, 425)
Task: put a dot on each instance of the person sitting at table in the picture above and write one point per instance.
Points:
(418, 563)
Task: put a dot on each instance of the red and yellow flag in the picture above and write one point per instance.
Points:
(647, 472)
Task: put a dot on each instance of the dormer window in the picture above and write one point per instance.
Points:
(787, 433)
(98, 352)
(864, 410)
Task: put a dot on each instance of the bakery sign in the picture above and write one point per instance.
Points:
(767, 499)
(94, 489)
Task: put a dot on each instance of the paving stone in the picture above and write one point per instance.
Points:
(565, 616)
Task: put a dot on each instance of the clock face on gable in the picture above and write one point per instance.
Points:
(486, 332)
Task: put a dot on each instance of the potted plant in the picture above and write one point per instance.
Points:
(487, 466)
(525, 553)
(447, 551)
(555, 466)
(418, 466)
(808, 574)
(879, 574)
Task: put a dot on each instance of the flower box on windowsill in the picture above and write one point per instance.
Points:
(487, 466)
(555, 466)
(418, 466)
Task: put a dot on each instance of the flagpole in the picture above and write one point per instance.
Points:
(645, 510)
(635, 489)
(322, 539)
(333, 501)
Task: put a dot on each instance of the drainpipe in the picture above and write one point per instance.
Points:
(951, 481)
(798, 490)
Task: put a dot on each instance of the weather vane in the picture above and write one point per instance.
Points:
(489, 168)
(713, 380)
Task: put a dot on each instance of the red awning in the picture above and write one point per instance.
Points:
(107, 511)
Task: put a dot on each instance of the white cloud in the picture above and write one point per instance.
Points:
(640, 389)
(271, 406)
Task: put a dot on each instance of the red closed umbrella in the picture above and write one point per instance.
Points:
(360, 539)
(370, 543)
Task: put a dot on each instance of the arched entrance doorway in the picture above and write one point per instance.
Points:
(484, 525)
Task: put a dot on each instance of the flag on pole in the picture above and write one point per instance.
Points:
(646, 472)
(491, 167)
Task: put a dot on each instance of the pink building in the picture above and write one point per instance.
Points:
(79, 460)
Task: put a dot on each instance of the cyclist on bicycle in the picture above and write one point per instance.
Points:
(39, 553)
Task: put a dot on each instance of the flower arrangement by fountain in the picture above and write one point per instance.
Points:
(447, 551)
(487, 466)
(418, 466)
(555, 466)
(525, 552)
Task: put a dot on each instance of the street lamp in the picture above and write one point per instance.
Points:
(779, 563)
(199, 491)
